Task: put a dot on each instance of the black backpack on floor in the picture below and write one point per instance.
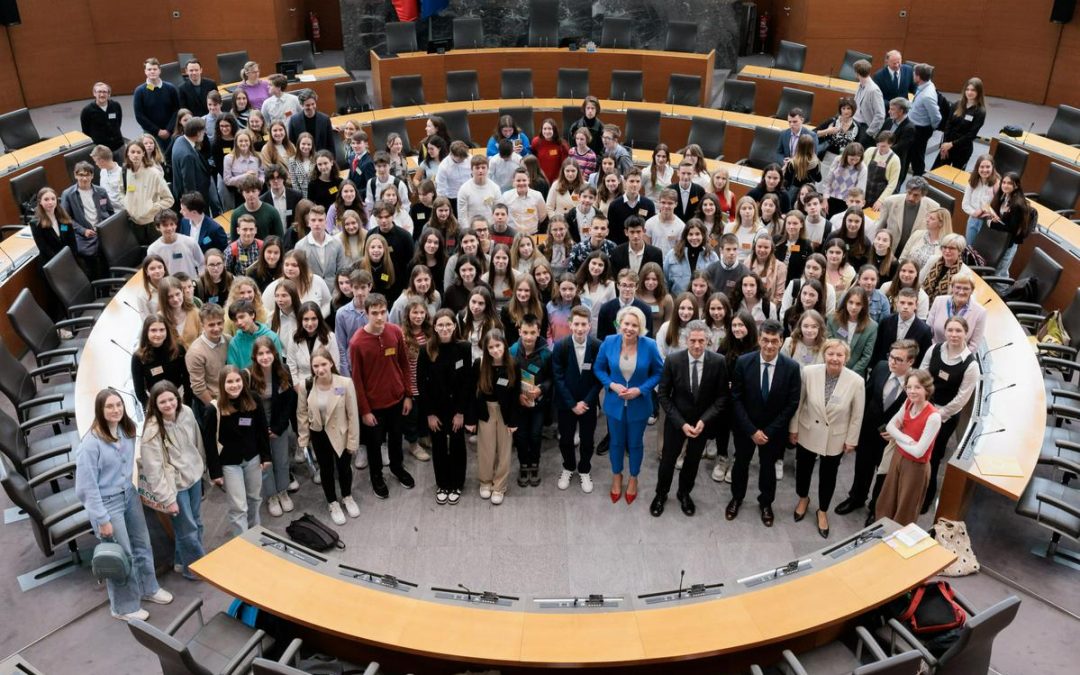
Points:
(310, 532)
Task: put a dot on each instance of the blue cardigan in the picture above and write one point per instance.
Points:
(646, 376)
(493, 144)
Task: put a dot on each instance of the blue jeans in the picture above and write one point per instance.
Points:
(188, 527)
(973, 226)
(1006, 261)
(243, 486)
(129, 530)
(276, 477)
(626, 435)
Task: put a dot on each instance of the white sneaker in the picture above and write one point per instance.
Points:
(418, 453)
(727, 474)
(425, 442)
(335, 513)
(586, 482)
(360, 460)
(141, 615)
(710, 450)
(679, 461)
(718, 470)
(441, 496)
(564, 479)
(497, 498)
(485, 492)
(779, 469)
(162, 597)
(350, 507)
(286, 502)
(178, 568)
(294, 486)
(453, 497)
(274, 506)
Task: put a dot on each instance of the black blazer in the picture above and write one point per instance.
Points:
(292, 198)
(620, 257)
(874, 413)
(282, 406)
(72, 203)
(324, 132)
(693, 204)
(507, 397)
(713, 395)
(446, 385)
(49, 243)
(212, 235)
(903, 137)
(190, 170)
(920, 332)
(797, 261)
(889, 91)
(773, 415)
(571, 383)
(605, 322)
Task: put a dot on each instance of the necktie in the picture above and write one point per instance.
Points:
(694, 376)
(896, 79)
(892, 390)
(765, 381)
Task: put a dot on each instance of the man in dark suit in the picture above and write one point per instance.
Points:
(191, 171)
(689, 192)
(626, 286)
(278, 195)
(196, 224)
(312, 121)
(901, 325)
(635, 244)
(903, 133)
(896, 79)
(884, 396)
(765, 391)
(577, 397)
(630, 203)
(693, 391)
(785, 148)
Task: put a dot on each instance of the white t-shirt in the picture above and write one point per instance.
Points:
(664, 235)
(183, 255)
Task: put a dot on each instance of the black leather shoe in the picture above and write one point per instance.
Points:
(379, 488)
(799, 516)
(523, 476)
(686, 504)
(732, 509)
(404, 477)
(534, 475)
(823, 531)
(767, 515)
(657, 506)
(847, 506)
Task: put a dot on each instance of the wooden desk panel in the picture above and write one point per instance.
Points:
(27, 276)
(322, 85)
(657, 68)
(48, 153)
(770, 82)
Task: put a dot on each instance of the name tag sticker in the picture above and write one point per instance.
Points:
(643, 212)
(943, 375)
(969, 118)
(746, 246)
(150, 87)
(157, 370)
(693, 200)
(227, 151)
(288, 212)
(573, 198)
(390, 351)
(243, 258)
(178, 256)
(533, 368)
(333, 190)
(112, 116)
(842, 332)
(458, 365)
(554, 152)
(530, 210)
(384, 277)
(339, 391)
(206, 240)
(64, 228)
(421, 216)
(507, 293)
(131, 188)
(586, 366)
(244, 422)
(104, 201)
(502, 382)
(795, 248)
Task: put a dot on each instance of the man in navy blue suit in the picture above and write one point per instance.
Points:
(765, 392)
(191, 171)
(626, 286)
(577, 396)
(196, 224)
(785, 149)
(896, 79)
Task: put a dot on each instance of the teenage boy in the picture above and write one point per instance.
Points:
(664, 229)
(180, 253)
(382, 180)
(213, 112)
(816, 224)
(501, 231)
(280, 106)
(597, 241)
(279, 195)
(789, 138)
(479, 195)
(156, 103)
(526, 207)
(400, 241)
(110, 175)
(626, 285)
(361, 166)
(688, 192)
(267, 219)
(630, 203)
(636, 251)
(352, 317)
(579, 218)
(726, 272)
(533, 359)
(102, 118)
(610, 138)
(206, 357)
(325, 256)
(454, 171)
(243, 252)
(577, 396)
(194, 89)
(855, 199)
(195, 224)
(382, 376)
(248, 329)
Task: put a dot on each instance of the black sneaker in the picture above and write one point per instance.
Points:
(378, 486)
(523, 476)
(534, 475)
(404, 477)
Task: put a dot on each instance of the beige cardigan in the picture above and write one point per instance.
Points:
(342, 423)
(825, 429)
(147, 195)
(185, 463)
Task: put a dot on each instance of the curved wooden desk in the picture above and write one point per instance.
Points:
(771, 81)
(656, 66)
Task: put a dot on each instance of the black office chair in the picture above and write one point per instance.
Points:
(681, 36)
(33, 458)
(543, 23)
(627, 85)
(284, 664)
(572, 83)
(183, 57)
(1070, 319)
(400, 37)
(25, 187)
(1051, 503)
(570, 114)
(81, 155)
(42, 335)
(380, 129)
(517, 83)
(351, 97)
(790, 56)
(17, 130)
(20, 385)
(684, 89)
(1009, 157)
(523, 117)
(944, 199)
(1066, 126)
(847, 68)
(738, 96)
(708, 134)
(462, 85)
(226, 102)
(173, 73)
(795, 98)
(617, 33)
(835, 657)
(230, 65)
(457, 124)
(406, 90)
(1041, 267)
(642, 129)
(301, 51)
(340, 154)
(69, 284)
(1059, 191)
(222, 646)
(122, 251)
(468, 32)
(762, 148)
(991, 245)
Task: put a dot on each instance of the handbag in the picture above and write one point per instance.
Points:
(86, 246)
(146, 492)
(111, 562)
(953, 536)
(1052, 330)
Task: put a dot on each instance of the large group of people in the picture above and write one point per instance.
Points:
(357, 312)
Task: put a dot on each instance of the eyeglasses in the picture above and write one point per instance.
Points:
(897, 359)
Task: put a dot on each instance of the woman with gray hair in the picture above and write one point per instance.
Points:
(936, 276)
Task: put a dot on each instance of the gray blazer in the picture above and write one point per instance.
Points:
(71, 202)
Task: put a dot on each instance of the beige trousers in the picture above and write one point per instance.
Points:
(494, 446)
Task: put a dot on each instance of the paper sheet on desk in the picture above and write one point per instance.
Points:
(910, 541)
(998, 465)
(305, 78)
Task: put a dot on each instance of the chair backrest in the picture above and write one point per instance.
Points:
(947, 201)
(351, 97)
(907, 663)
(12, 441)
(380, 129)
(570, 114)
(468, 32)
(847, 68)
(795, 98)
(627, 85)
(32, 324)
(81, 155)
(1070, 318)
(1061, 188)
(790, 56)
(991, 245)
(24, 189)
(642, 129)
(1009, 157)
(20, 492)
(543, 23)
(118, 243)
(971, 652)
(229, 66)
(17, 130)
(457, 124)
(1066, 125)
(400, 37)
(523, 117)
(572, 83)
(173, 73)
(517, 83)
(226, 102)
(462, 85)
(618, 33)
(66, 279)
(681, 36)
(1044, 268)
(301, 51)
(183, 57)
(738, 96)
(15, 380)
(406, 90)
(763, 147)
(261, 666)
(684, 89)
(174, 656)
(709, 134)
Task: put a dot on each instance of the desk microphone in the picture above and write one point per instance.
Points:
(828, 81)
(991, 351)
(128, 351)
(989, 394)
(11, 260)
(67, 143)
(985, 433)
(1030, 127)
(988, 301)
(682, 574)
(131, 307)
(467, 591)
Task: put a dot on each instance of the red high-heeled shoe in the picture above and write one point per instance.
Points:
(630, 497)
(615, 495)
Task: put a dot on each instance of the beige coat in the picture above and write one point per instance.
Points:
(822, 428)
(892, 215)
(342, 424)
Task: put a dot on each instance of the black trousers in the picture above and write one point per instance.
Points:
(448, 457)
(721, 431)
(585, 426)
(674, 438)
(804, 472)
(958, 157)
(530, 435)
(941, 444)
(740, 473)
(867, 458)
(388, 429)
(917, 152)
(329, 462)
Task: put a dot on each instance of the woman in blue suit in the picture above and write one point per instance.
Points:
(629, 366)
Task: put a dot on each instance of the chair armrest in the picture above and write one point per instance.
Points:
(1059, 504)
(254, 642)
(86, 307)
(1034, 316)
(48, 454)
(1064, 463)
(1067, 445)
(66, 512)
(1065, 393)
(1020, 306)
(1066, 411)
(964, 602)
(1068, 213)
(982, 270)
(720, 157)
(898, 630)
(1061, 364)
(868, 640)
(102, 283)
(999, 280)
(52, 474)
(41, 400)
(49, 369)
(53, 353)
(118, 271)
(48, 418)
(754, 670)
(1060, 349)
(77, 323)
(793, 663)
(181, 619)
(373, 669)
(290, 652)
(741, 162)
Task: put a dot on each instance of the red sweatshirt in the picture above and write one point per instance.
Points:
(550, 155)
(380, 368)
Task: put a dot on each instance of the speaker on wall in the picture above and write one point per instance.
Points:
(9, 13)
(1062, 12)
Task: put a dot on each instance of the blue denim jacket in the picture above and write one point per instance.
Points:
(103, 469)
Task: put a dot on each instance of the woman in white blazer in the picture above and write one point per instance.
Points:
(329, 423)
(827, 424)
(312, 332)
